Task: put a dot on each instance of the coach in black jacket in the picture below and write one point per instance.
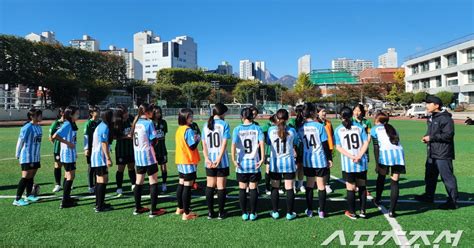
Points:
(439, 139)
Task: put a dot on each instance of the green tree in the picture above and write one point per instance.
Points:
(419, 97)
(196, 91)
(393, 96)
(173, 94)
(446, 97)
(406, 98)
(245, 91)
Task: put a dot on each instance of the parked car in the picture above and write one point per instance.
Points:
(417, 110)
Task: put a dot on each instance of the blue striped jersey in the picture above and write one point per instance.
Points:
(352, 141)
(282, 155)
(143, 135)
(312, 135)
(187, 168)
(389, 154)
(67, 132)
(29, 143)
(246, 138)
(101, 135)
(214, 139)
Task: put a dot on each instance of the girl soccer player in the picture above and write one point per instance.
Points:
(67, 135)
(144, 136)
(282, 140)
(100, 159)
(89, 128)
(321, 110)
(247, 145)
(215, 134)
(352, 142)
(317, 159)
(161, 127)
(359, 118)
(389, 157)
(28, 152)
(56, 149)
(187, 159)
(124, 154)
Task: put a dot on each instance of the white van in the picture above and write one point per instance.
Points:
(417, 110)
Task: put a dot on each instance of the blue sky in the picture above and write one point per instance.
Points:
(276, 31)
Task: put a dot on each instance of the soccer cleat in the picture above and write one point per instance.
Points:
(302, 189)
(164, 188)
(32, 198)
(321, 214)
(190, 216)
(57, 188)
(449, 205)
(392, 214)
(329, 189)
(275, 215)
(290, 216)
(20, 203)
(362, 214)
(253, 217)
(179, 211)
(68, 204)
(210, 215)
(245, 216)
(309, 213)
(221, 216)
(91, 190)
(119, 191)
(350, 215)
(157, 212)
(140, 210)
(424, 198)
(105, 208)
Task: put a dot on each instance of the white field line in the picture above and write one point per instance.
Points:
(397, 229)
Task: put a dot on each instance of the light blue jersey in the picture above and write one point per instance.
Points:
(352, 141)
(191, 139)
(389, 154)
(143, 135)
(29, 143)
(214, 140)
(101, 134)
(67, 132)
(312, 134)
(246, 138)
(282, 155)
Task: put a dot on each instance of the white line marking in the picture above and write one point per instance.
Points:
(399, 233)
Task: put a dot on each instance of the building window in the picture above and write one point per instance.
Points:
(452, 59)
(425, 84)
(416, 85)
(470, 77)
(470, 55)
(452, 79)
(471, 97)
(176, 50)
(425, 66)
(438, 82)
(437, 63)
(165, 49)
(147, 52)
(414, 69)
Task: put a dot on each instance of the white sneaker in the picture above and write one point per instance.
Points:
(119, 191)
(268, 192)
(57, 188)
(303, 189)
(133, 187)
(281, 192)
(164, 188)
(92, 190)
(328, 189)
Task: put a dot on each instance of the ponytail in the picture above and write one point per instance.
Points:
(282, 117)
(346, 116)
(218, 109)
(299, 116)
(33, 113)
(144, 107)
(247, 114)
(93, 109)
(392, 134)
(68, 113)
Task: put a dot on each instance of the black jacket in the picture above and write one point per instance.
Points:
(441, 132)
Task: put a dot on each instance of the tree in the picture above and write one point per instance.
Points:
(302, 83)
(171, 93)
(420, 97)
(393, 96)
(245, 91)
(399, 78)
(406, 98)
(196, 91)
(446, 97)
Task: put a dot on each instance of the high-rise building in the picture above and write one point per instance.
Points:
(86, 43)
(304, 64)
(224, 68)
(127, 57)
(388, 59)
(246, 70)
(46, 37)
(354, 66)
(139, 40)
(259, 72)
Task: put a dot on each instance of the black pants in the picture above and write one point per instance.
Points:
(435, 167)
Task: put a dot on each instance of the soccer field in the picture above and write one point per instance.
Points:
(44, 224)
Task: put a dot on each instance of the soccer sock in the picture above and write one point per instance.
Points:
(253, 200)
(275, 199)
(267, 182)
(243, 200)
(137, 192)
(164, 176)
(90, 176)
(322, 200)
(221, 196)
(29, 186)
(67, 190)
(362, 197)
(64, 182)
(57, 175)
(21, 188)
(102, 194)
(351, 200)
(290, 200)
(210, 199)
(186, 199)
(393, 195)
(133, 176)
(154, 196)
(179, 195)
(309, 198)
(119, 179)
(98, 196)
(379, 187)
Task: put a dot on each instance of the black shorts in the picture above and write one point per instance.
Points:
(217, 172)
(124, 160)
(285, 176)
(57, 157)
(188, 177)
(88, 159)
(30, 166)
(101, 171)
(150, 169)
(162, 159)
(352, 177)
(249, 177)
(393, 169)
(69, 166)
(315, 172)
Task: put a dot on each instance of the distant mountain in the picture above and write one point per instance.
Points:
(288, 81)
(269, 77)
